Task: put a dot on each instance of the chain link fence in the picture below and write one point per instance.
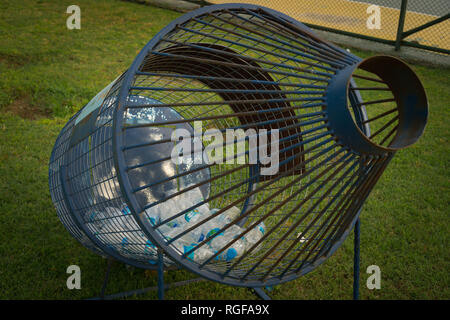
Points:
(417, 23)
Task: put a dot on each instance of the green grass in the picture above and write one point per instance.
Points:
(52, 71)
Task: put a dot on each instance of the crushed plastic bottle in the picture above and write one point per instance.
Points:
(255, 235)
(176, 215)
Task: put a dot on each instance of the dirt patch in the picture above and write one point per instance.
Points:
(14, 61)
(24, 109)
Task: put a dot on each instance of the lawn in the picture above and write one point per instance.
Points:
(48, 72)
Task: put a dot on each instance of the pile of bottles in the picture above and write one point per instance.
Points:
(172, 218)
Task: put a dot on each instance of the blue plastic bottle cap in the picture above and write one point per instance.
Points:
(261, 229)
(188, 248)
(152, 221)
(149, 244)
(231, 254)
(126, 210)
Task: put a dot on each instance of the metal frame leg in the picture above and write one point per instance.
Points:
(356, 260)
(160, 275)
(106, 279)
(159, 288)
(261, 293)
(258, 291)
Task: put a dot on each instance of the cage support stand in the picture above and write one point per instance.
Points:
(161, 287)
(160, 275)
(261, 294)
(105, 280)
(356, 260)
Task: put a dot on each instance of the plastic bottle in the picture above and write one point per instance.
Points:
(254, 236)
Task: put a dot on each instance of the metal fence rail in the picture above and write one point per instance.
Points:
(414, 23)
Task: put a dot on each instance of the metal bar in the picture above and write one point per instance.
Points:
(426, 25)
(82, 226)
(305, 55)
(370, 88)
(105, 281)
(248, 58)
(227, 102)
(260, 293)
(357, 199)
(381, 115)
(302, 34)
(318, 216)
(231, 115)
(309, 122)
(160, 275)
(367, 78)
(195, 151)
(384, 127)
(236, 201)
(374, 102)
(266, 234)
(246, 91)
(235, 156)
(242, 66)
(217, 177)
(356, 260)
(394, 129)
(357, 189)
(336, 209)
(361, 195)
(342, 203)
(421, 46)
(295, 225)
(225, 79)
(306, 214)
(335, 56)
(296, 125)
(312, 43)
(226, 159)
(401, 24)
(226, 172)
(266, 215)
(250, 125)
(145, 290)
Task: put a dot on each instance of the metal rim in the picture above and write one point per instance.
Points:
(413, 81)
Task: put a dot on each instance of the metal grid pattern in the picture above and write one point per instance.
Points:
(351, 17)
(57, 160)
(233, 67)
(87, 202)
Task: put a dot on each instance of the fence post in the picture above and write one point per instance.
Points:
(401, 23)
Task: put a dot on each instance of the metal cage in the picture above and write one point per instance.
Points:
(339, 119)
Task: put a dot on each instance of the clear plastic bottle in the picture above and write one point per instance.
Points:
(200, 254)
(254, 236)
(185, 219)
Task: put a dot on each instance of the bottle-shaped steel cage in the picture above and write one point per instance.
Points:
(339, 120)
